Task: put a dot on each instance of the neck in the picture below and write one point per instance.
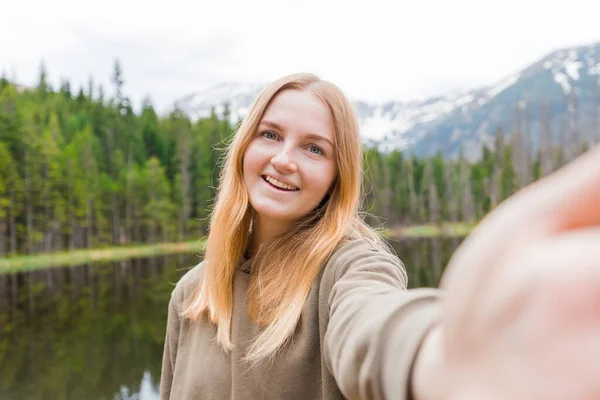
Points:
(264, 231)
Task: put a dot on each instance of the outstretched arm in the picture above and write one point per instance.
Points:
(376, 325)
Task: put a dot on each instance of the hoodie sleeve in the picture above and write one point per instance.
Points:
(375, 324)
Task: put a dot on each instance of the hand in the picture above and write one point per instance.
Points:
(521, 308)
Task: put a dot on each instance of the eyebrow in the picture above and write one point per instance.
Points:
(309, 135)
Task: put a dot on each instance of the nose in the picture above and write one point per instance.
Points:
(283, 162)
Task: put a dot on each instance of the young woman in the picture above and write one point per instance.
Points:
(297, 298)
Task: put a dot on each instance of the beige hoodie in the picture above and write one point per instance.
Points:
(358, 336)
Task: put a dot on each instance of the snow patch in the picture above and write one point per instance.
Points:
(503, 85)
(464, 100)
(563, 81)
(408, 115)
(572, 69)
(548, 64)
(377, 126)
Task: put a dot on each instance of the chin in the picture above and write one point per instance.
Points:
(277, 212)
(276, 215)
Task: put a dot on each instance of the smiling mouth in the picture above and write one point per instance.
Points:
(274, 183)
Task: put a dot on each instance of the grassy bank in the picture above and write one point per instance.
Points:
(457, 229)
(77, 257)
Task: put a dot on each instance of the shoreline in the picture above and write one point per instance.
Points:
(23, 263)
(38, 262)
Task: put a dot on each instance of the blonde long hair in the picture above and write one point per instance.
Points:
(288, 265)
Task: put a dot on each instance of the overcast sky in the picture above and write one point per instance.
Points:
(374, 50)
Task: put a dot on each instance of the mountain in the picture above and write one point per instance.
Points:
(238, 96)
(561, 92)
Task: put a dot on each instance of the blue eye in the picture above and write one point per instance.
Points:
(269, 135)
(315, 150)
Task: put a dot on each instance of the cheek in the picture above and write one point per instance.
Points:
(251, 162)
(323, 178)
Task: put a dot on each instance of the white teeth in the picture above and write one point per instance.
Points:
(279, 184)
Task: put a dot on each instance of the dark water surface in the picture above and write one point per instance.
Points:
(96, 332)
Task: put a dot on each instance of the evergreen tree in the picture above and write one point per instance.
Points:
(52, 185)
(9, 179)
(43, 86)
(509, 182)
(80, 170)
(468, 210)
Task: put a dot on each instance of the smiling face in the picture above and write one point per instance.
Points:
(289, 166)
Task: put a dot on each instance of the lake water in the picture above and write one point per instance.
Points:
(96, 332)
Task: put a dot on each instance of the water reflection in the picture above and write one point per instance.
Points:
(425, 259)
(89, 332)
(97, 331)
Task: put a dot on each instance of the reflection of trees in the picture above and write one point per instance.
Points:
(84, 332)
(91, 332)
(425, 259)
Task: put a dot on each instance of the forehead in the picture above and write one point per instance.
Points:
(300, 111)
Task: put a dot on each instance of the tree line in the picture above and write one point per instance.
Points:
(79, 169)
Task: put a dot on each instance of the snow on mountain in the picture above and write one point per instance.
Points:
(386, 123)
(379, 122)
(502, 85)
(454, 121)
(566, 65)
(238, 96)
(565, 82)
